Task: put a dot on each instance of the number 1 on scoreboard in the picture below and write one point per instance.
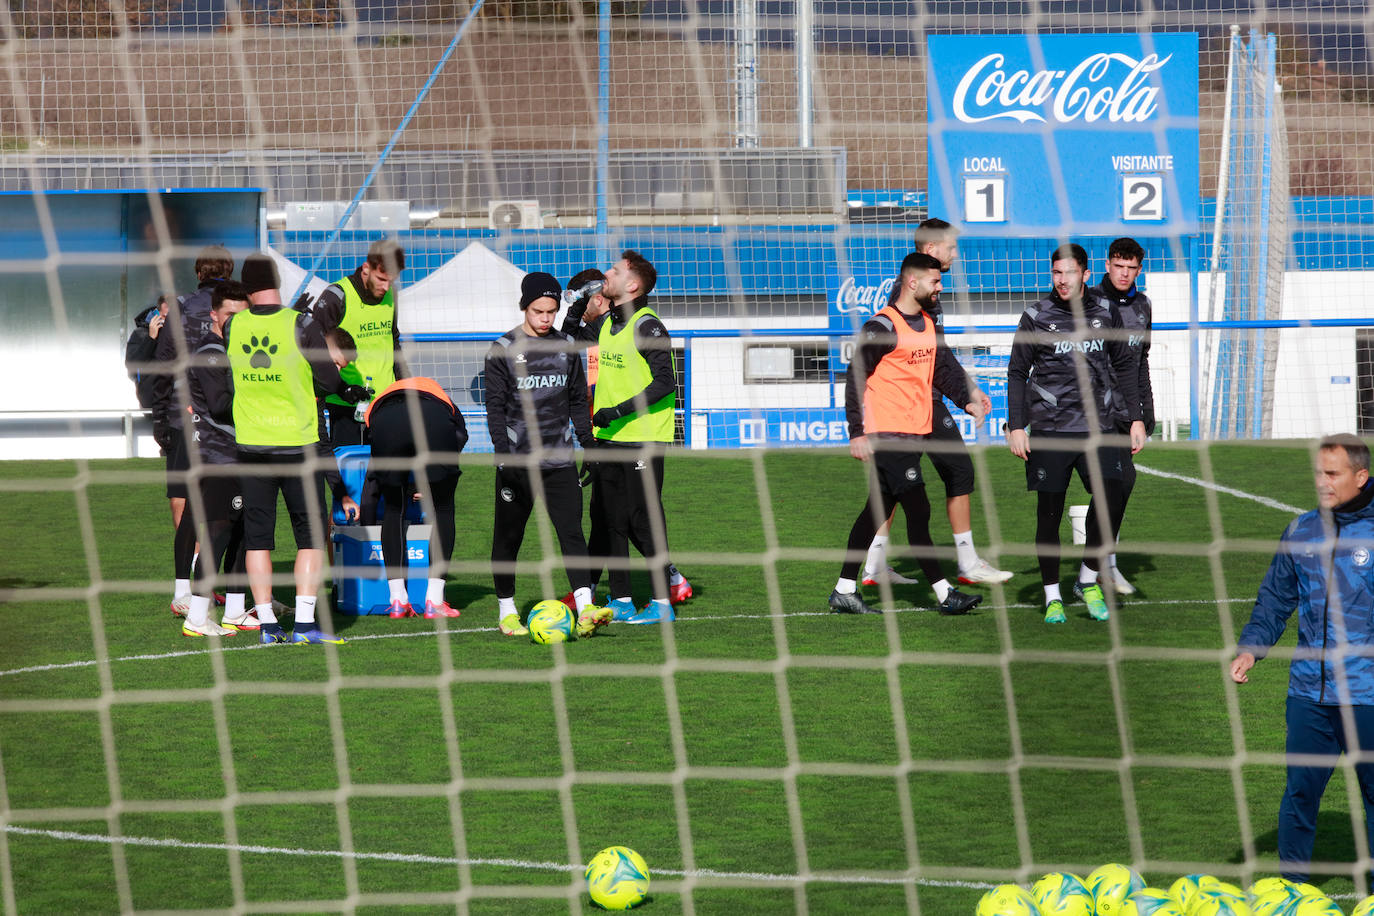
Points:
(985, 200)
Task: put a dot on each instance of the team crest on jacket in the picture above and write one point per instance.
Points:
(912, 473)
(1360, 556)
(507, 495)
(236, 503)
(949, 422)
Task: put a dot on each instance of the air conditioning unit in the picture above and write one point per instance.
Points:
(514, 214)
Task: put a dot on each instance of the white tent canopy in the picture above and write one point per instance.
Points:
(290, 276)
(478, 290)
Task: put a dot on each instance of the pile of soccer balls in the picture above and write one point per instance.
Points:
(552, 621)
(617, 878)
(1116, 890)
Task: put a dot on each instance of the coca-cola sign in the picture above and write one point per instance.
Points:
(1061, 135)
(1102, 86)
(863, 299)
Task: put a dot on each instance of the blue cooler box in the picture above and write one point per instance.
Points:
(360, 574)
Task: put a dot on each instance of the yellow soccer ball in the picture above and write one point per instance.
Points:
(1184, 889)
(550, 622)
(1364, 908)
(1313, 905)
(1007, 900)
(1272, 885)
(1151, 901)
(1062, 894)
(1208, 902)
(1274, 903)
(1110, 885)
(617, 877)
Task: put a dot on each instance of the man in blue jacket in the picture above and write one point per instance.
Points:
(1323, 568)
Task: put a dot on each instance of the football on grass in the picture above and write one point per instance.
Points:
(617, 878)
(550, 622)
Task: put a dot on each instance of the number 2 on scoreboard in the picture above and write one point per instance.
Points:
(985, 200)
(1142, 197)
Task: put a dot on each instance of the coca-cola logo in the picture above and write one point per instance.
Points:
(865, 300)
(1106, 85)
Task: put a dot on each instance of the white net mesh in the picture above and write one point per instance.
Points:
(761, 753)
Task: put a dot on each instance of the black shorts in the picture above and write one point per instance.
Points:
(1053, 459)
(263, 477)
(220, 493)
(948, 453)
(178, 463)
(897, 462)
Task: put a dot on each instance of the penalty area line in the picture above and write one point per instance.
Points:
(1229, 491)
(421, 859)
(185, 653)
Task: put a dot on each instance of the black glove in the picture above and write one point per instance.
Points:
(605, 417)
(587, 474)
(162, 435)
(356, 394)
(304, 304)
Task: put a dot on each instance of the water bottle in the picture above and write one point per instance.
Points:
(360, 409)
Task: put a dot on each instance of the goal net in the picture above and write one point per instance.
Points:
(773, 162)
(1249, 243)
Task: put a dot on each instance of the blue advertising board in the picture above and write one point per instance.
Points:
(1064, 135)
(818, 426)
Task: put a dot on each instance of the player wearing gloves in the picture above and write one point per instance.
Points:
(363, 305)
(587, 310)
(279, 360)
(535, 389)
(633, 412)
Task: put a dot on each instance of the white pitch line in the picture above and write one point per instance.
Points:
(183, 653)
(418, 859)
(1229, 491)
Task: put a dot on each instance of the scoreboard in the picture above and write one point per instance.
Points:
(1063, 136)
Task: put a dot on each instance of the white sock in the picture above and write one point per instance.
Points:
(181, 587)
(398, 590)
(233, 604)
(846, 586)
(199, 614)
(305, 609)
(1111, 561)
(195, 559)
(582, 597)
(1087, 576)
(1052, 593)
(505, 607)
(876, 559)
(963, 546)
(675, 577)
(264, 613)
(628, 599)
(941, 590)
(434, 592)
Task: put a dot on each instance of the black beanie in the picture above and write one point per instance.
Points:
(536, 286)
(259, 273)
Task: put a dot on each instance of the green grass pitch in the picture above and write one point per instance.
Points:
(901, 761)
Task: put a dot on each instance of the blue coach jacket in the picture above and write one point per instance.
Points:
(1327, 573)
